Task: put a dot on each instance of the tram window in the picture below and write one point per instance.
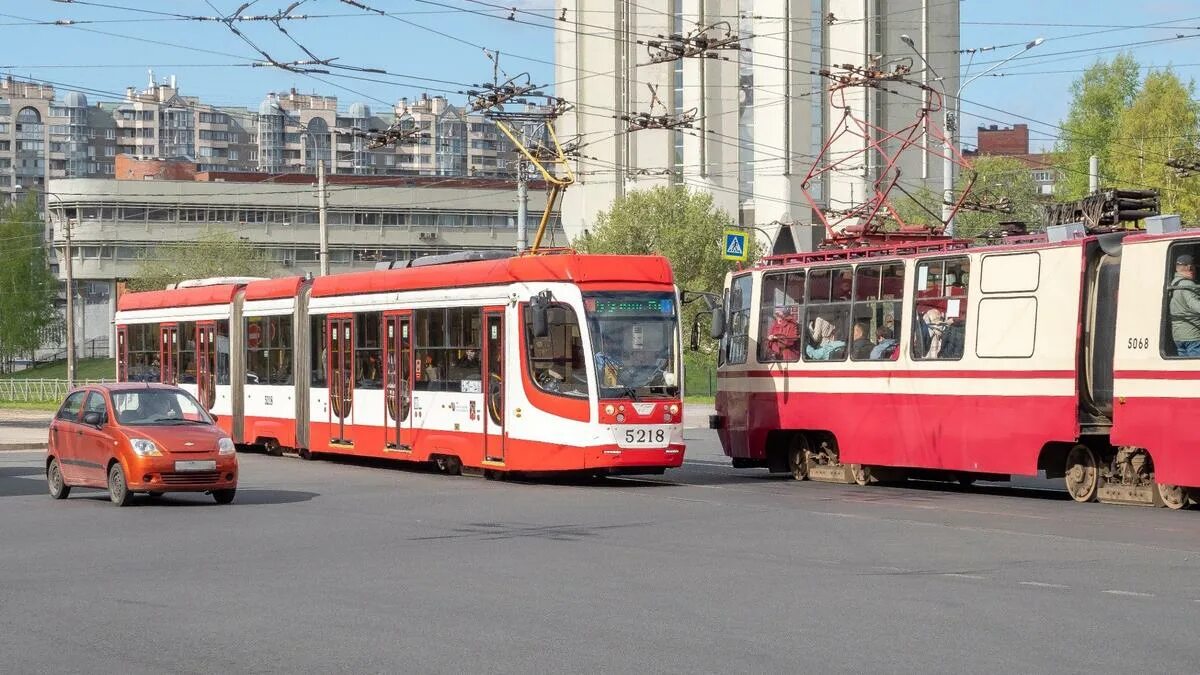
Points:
(827, 314)
(368, 358)
(448, 342)
(1181, 303)
(737, 336)
(874, 326)
(319, 354)
(939, 324)
(556, 362)
(269, 354)
(223, 352)
(779, 338)
(143, 339)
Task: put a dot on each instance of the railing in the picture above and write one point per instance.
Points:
(38, 391)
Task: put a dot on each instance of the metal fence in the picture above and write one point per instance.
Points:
(38, 391)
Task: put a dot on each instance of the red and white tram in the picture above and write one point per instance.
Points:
(554, 362)
(961, 362)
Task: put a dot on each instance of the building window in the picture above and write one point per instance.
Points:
(939, 324)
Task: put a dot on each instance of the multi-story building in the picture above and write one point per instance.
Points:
(1014, 142)
(24, 116)
(115, 223)
(761, 116)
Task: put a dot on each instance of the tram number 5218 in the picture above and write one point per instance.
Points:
(1139, 343)
(644, 436)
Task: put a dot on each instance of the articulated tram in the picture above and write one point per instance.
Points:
(483, 362)
(1078, 358)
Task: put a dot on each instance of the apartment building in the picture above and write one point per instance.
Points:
(1013, 142)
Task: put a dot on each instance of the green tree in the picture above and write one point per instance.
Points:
(28, 289)
(1099, 97)
(997, 180)
(683, 226)
(1163, 122)
(218, 253)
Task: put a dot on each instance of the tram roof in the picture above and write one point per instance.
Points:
(178, 297)
(274, 289)
(567, 267)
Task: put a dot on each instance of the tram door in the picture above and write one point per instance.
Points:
(168, 354)
(493, 349)
(397, 382)
(341, 379)
(206, 364)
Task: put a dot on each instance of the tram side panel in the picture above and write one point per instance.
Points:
(1156, 389)
(271, 371)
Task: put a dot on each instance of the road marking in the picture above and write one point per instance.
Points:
(958, 575)
(1134, 594)
(1042, 584)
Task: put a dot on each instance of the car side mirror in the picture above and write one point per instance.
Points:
(94, 419)
(717, 328)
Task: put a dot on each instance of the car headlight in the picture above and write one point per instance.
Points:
(144, 448)
(225, 447)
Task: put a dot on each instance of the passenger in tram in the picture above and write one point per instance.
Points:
(369, 373)
(783, 336)
(935, 329)
(1185, 308)
(431, 371)
(823, 340)
(885, 340)
(860, 345)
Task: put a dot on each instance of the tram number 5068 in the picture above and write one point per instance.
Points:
(1139, 343)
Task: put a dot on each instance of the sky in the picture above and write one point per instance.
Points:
(438, 47)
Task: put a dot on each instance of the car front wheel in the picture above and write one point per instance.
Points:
(54, 479)
(224, 496)
(118, 489)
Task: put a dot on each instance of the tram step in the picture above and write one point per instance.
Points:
(830, 473)
(1132, 495)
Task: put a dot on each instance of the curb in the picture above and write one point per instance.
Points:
(22, 447)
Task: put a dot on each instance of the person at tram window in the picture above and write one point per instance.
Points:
(431, 371)
(1185, 308)
(860, 344)
(935, 326)
(368, 370)
(930, 297)
(885, 340)
(823, 341)
(783, 337)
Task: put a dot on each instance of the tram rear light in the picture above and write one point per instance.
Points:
(667, 417)
(609, 409)
(620, 417)
(621, 408)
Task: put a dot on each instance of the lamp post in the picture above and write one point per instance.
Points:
(322, 221)
(950, 122)
(70, 290)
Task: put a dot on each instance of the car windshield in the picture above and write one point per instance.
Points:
(147, 407)
(634, 338)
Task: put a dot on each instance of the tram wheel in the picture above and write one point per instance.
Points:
(306, 454)
(861, 473)
(1082, 475)
(1173, 497)
(965, 479)
(798, 457)
(272, 448)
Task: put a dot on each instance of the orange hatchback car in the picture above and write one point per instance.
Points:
(133, 438)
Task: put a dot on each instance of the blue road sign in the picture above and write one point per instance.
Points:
(735, 245)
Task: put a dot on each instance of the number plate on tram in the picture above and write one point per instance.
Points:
(643, 436)
(196, 465)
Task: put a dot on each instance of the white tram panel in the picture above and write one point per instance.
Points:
(1145, 263)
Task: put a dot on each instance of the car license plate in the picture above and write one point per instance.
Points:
(643, 436)
(196, 465)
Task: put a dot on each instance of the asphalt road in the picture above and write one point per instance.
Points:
(344, 567)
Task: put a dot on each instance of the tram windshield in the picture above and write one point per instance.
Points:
(634, 340)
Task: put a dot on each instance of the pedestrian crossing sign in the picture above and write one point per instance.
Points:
(735, 245)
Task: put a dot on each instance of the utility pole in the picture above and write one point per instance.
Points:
(1093, 175)
(320, 218)
(522, 205)
(70, 310)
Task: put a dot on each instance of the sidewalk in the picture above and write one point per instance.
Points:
(24, 429)
(695, 415)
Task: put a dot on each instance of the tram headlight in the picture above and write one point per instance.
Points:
(674, 409)
(609, 409)
(620, 418)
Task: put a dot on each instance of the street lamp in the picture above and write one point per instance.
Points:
(950, 122)
(322, 223)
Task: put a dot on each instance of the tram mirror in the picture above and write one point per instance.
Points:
(694, 340)
(717, 327)
(539, 310)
